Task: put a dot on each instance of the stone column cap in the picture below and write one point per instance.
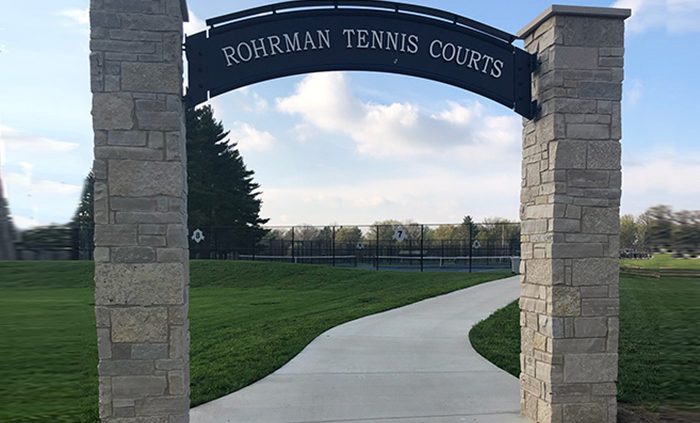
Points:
(583, 11)
(185, 12)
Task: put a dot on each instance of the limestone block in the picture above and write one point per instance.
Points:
(598, 389)
(150, 229)
(588, 178)
(133, 255)
(112, 111)
(601, 220)
(152, 78)
(142, 178)
(149, 217)
(150, 419)
(579, 345)
(587, 131)
(138, 386)
(163, 405)
(140, 324)
(171, 255)
(104, 346)
(152, 240)
(592, 32)
(600, 90)
(600, 307)
(545, 271)
(156, 23)
(135, 6)
(577, 250)
(566, 301)
(132, 204)
(585, 368)
(140, 284)
(585, 413)
(124, 367)
(127, 138)
(127, 153)
(176, 383)
(177, 315)
(566, 57)
(569, 154)
(604, 155)
(115, 235)
(121, 46)
(149, 351)
(160, 121)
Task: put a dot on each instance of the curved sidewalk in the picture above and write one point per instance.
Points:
(413, 364)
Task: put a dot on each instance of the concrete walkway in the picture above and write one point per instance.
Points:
(413, 364)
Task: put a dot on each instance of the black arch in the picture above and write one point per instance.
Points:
(250, 46)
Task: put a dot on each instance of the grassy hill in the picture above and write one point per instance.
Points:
(246, 320)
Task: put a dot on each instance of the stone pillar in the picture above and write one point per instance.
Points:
(570, 217)
(141, 250)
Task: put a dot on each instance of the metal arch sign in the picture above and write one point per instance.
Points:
(300, 37)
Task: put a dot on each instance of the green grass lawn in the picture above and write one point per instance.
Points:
(659, 341)
(247, 320)
(663, 261)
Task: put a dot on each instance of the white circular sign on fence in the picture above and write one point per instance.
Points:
(197, 236)
(476, 244)
(400, 234)
(360, 246)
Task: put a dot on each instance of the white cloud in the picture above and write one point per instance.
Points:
(324, 101)
(251, 101)
(661, 177)
(251, 139)
(37, 187)
(194, 25)
(675, 16)
(427, 195)
(14, 140)
(78, 16)
(668, 173)
(24, 222)
(633, 92)
(440, 164)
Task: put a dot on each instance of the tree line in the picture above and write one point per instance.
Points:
(661, 229)
(493, 230)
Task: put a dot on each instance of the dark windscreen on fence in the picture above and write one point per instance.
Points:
(395, 246)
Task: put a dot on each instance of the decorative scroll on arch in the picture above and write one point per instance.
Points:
(298, 37)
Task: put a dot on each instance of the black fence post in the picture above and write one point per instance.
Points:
(470, 247)
(376, 250)
(75, 242)
(421, 248)
(333, 246)
(294, 260)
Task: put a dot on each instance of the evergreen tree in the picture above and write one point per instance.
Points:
(221, 188)
(83, 217)
(470, 228)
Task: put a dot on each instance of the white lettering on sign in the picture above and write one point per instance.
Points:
(381, 40)
(462, 56)
(259, 48)
(362, 39)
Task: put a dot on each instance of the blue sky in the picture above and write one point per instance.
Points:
(353, 147)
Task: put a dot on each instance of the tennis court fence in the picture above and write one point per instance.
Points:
(392, 246)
